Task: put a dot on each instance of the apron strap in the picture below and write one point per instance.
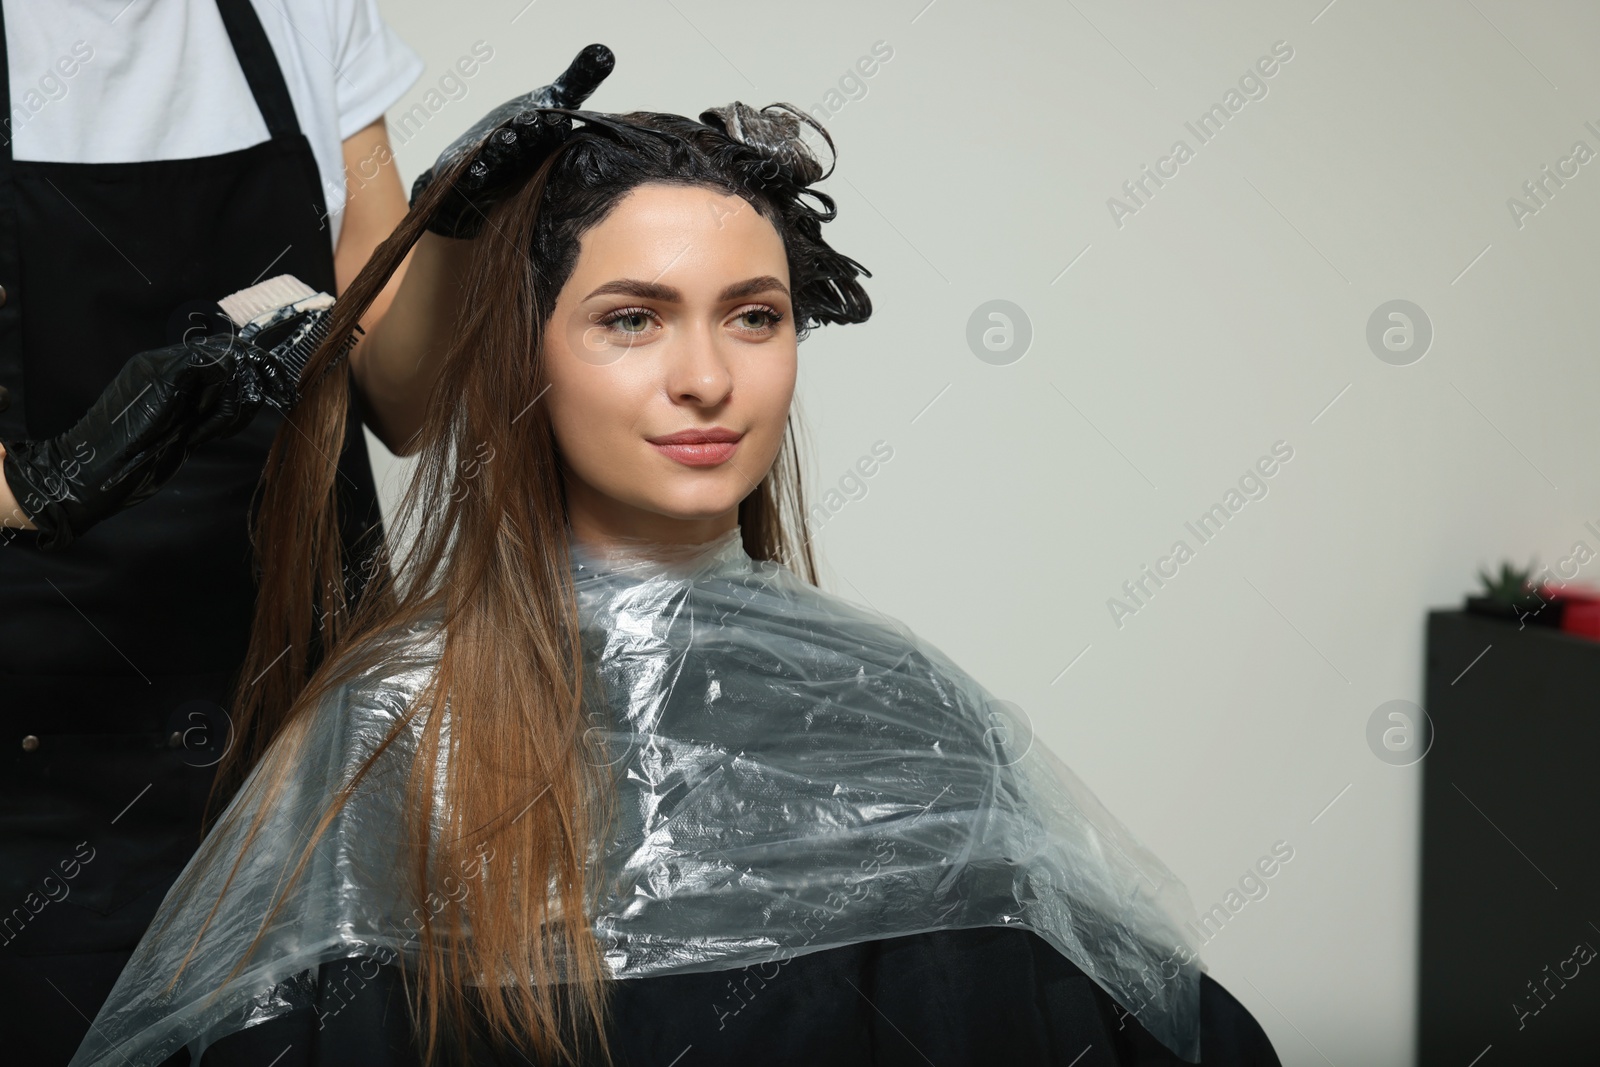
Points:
(5, 93)
(260, 66)
(11, 425)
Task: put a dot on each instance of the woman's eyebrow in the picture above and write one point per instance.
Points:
(667, 294)
(642, 290)
(763, 284)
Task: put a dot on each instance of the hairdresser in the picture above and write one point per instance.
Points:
(153, 157)
(122, 627)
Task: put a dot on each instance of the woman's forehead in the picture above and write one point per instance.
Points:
(695, 235)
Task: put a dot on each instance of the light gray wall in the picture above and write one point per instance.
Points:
(1169, 352)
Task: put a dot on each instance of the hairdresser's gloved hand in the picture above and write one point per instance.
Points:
(515, 139)
(162, 405)
(133, 439)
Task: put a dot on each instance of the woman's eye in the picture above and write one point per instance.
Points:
(634, 323)
(759, 319)
(628, 321)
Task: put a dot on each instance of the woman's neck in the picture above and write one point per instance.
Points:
(609, 531)
(674, 545)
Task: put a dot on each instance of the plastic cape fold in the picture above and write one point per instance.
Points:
(793, 773)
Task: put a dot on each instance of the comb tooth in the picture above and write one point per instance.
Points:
(300, 352)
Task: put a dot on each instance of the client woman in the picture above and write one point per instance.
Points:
(599, 774)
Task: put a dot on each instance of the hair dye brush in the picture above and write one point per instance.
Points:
(282, 321)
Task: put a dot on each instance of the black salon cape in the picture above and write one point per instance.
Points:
(989, 995)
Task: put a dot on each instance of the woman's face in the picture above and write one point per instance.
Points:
(676, 321)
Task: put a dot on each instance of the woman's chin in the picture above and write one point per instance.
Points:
(697, 499)
(698, 512)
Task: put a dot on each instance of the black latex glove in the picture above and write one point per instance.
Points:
(159, 407)
(515, 137)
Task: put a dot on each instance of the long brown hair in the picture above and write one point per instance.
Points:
(489, 556)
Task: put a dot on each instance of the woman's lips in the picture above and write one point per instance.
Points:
(706, 454)
(699, 447)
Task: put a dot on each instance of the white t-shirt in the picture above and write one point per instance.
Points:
(112, 81)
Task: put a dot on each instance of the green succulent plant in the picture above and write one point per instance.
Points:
(1512, 586)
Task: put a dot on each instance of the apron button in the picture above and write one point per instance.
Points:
(176, 740)
(2, 296)
(30, 743)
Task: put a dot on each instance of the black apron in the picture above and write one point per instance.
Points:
(118, 652)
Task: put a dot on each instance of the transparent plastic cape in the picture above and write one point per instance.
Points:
(794, 773)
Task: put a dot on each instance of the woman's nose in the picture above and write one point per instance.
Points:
(699, 370)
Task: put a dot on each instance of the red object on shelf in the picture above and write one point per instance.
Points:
(1580, 608)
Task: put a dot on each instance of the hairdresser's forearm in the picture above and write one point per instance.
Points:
(10, 513)
(398, 360)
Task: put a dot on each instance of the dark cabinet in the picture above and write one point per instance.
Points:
(1510, 846)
